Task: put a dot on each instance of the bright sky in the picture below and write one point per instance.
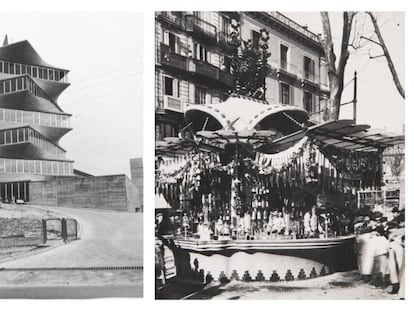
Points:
(103, 52)
(379, 103)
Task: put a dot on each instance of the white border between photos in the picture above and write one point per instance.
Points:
(149, 7)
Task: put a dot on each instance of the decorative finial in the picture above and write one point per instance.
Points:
(6, 41)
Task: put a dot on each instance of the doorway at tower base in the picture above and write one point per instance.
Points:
(12, 192)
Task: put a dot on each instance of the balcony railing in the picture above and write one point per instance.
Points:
(288, 22)
(17, 84)
(226, 78)
(44, 73)
(173, 104)
(172, 59)
(43, 167)
(206, 70)
(23, 134)
(34, 118)
(174, 18)
(200, 27)
(224, 40)
(310, 78)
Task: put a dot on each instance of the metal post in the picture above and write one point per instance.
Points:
(64, 230)
(44, 231)
(76, 229)
(355, 96)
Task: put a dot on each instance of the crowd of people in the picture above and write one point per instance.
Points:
(380, 243)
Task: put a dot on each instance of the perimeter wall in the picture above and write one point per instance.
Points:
(114, 192)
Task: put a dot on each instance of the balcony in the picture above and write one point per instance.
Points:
(286, 70)
(310, 80)
(226, 78)
(172, 59)
(293, 25)
(200, 28)
(206, 70)
(172, 18)
(224, 40)
(173, 104)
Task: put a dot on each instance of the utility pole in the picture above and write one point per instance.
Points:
(354, 100)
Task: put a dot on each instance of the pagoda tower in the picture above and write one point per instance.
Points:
(31, 121)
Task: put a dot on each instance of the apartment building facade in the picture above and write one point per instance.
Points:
(193, 55)
(297, 71)
(192, 64)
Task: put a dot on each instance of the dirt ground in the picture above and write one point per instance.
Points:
(341, 285)
(24, 211)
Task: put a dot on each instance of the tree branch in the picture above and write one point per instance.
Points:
(391, 66)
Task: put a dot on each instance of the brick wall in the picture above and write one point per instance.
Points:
(102, 192)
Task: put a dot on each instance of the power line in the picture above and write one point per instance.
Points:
(94, 77)
(101, 95)
(103, 83)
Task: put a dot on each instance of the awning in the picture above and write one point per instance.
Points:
(245, 113)
(160, 202)
(342, 134)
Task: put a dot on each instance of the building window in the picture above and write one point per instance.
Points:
(283, 56)
(309, 68)
(308, 102)
(285, 94)
(200, 96)
(255, 39)
(168, 130)
(171, 87)
(201, 52)
(168, 86)
(170, 40)
(225, 25)
(225, 63)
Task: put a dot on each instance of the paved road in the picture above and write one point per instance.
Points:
(70, 292)
(107, 239)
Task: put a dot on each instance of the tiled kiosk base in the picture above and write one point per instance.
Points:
(284, 260)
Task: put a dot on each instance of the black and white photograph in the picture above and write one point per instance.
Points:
(279, 155)
(71, 169)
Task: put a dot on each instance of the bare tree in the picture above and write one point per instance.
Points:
(382, 44)
(336, 70)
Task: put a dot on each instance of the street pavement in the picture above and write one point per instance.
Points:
(339, 285)
(71, 292)
(107, 238)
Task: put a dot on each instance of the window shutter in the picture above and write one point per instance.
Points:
(315, 104)
(191, 92)
(166, 39)
(312, 69)
(292, 95)
(280, 93)
(175, 90)
(208, 99)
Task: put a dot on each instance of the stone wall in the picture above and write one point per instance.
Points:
(20, 227)
(102, 192)
(134, 201)
(137, 178)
